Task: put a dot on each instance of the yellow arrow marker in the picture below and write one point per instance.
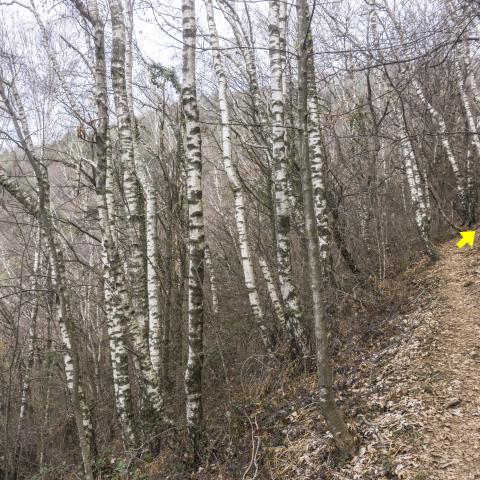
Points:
(467, 237)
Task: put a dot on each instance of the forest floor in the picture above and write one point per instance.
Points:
(410, 394)
(413, 398)
(428, 388)
(443, 379)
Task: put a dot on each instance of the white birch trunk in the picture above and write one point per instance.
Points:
(272, 293)
(139, 315)
(116, 320)
(196, 236)
(317, 165)
(32, 335)
(289, 295)
(141, 170)
(235, 185)
(213, 280)
(472, 126)
(443, 133)
(416, 189)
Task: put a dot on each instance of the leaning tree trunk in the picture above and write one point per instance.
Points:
(437, 117)
(272, 293)
(462, 194)
(235, 184)
(416, 188)
(196, 237)
(41, 210)
(462, 59)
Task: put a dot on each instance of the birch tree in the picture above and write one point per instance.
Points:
(412, 174)
(235, 185)
(289, 295)
(328, 407)
(138, 325)
(196, 236)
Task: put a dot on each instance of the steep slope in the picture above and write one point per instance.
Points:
(411, 394)
(416, 400)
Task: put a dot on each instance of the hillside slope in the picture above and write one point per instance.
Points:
(415, 401)
(428, 393)
(411, 395)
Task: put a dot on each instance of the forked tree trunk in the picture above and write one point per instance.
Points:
(151, 234)
(139, 317)
(116, 320)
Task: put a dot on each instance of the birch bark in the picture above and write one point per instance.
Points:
(112, 275)
(32, 338)
(213, 280)
(416, 187)
(272, 293)
(138, 323)
(235, 185)
(196, 237)
(317, 165)
(443, 133)
(151, 234)
(289, 295)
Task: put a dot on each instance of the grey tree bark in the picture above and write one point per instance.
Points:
(328, 407)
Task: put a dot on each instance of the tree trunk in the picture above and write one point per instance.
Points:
(139, 320)
(329, 410)
(289, 295)
(196, 237)
(236, 186)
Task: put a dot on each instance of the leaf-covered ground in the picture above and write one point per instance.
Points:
(416, 402)
(411, 395)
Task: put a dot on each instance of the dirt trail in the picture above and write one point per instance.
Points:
(449, 374)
